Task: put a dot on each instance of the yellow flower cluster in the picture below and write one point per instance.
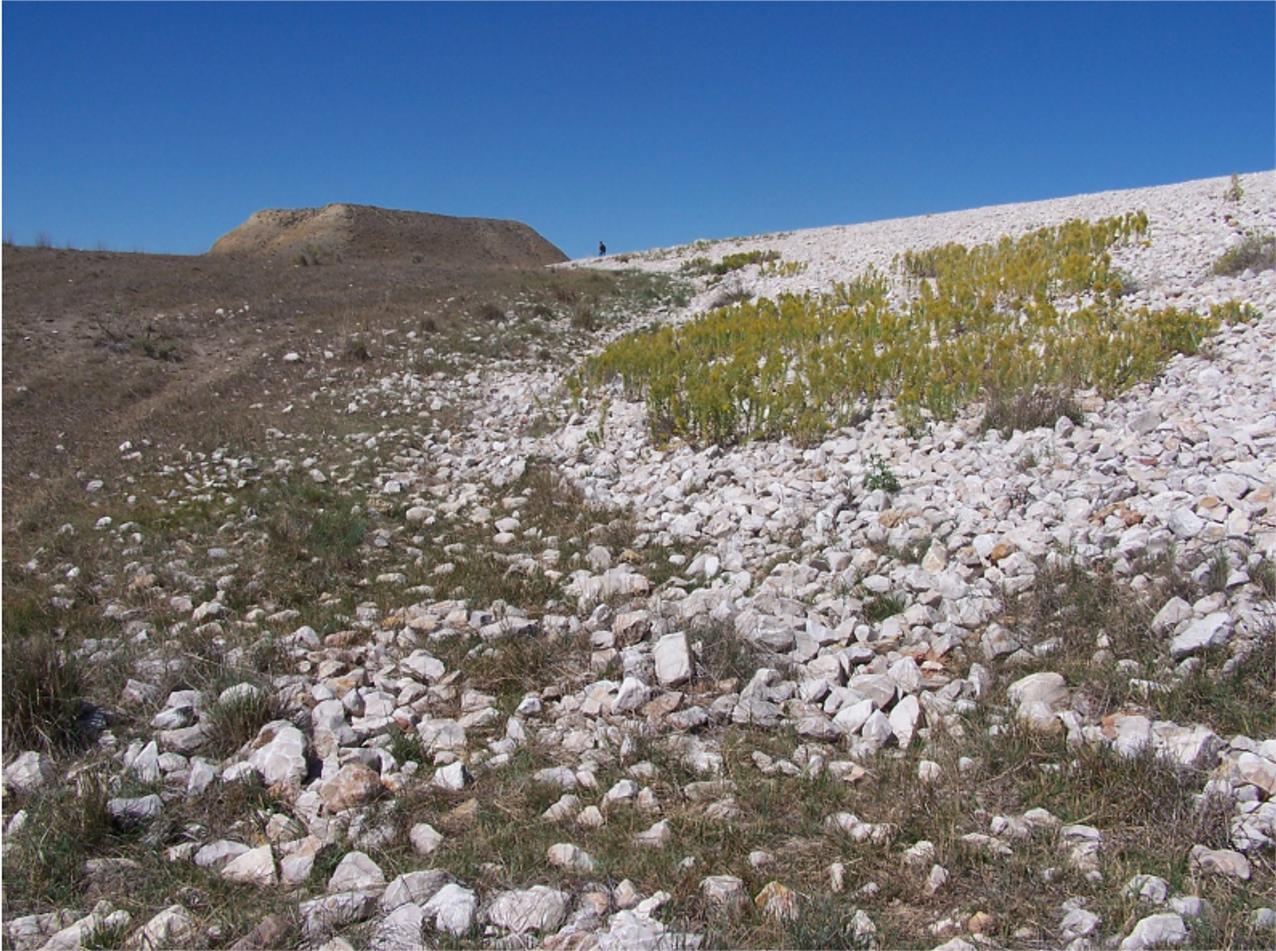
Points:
(1041, 311)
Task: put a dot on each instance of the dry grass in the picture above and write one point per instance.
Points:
(1255, 252)
(1028, 408)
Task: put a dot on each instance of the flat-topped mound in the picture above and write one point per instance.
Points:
(342, 231)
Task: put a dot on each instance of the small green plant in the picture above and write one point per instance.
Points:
(729, 297)
(702, 266)
(879, 475)
(782, 269)
(406, 746)
(1234, 191)
(162, 350)
(1220, 569)
(722, 653)
(1235, 312)
(1256, 252)
(880, 607)
(598, 436)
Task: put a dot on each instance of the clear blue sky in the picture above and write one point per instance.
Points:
(159, 127)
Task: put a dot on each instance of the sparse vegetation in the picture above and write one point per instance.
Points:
(238, 719)
(1235, 192)
(722, 653)
(1235, 312)
(702, 266)
(43, 689)
(1028, 408)
(1256, 252)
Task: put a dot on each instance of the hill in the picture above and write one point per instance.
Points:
(693, 605)
(344, 232)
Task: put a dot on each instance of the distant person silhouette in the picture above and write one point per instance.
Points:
(602, 249)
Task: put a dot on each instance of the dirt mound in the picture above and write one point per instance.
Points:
(356, 232)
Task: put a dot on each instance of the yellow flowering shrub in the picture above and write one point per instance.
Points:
(1040, 312)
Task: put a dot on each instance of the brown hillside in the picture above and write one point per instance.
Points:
(352, 232)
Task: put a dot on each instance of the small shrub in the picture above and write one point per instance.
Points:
(1256, 252)
(879, 475)
(1028, 408)
(1218, 571)
(1235, 312)
(782, 269)
(585, 316)
(880, 607)
(164, 351)
(236, 721)
(406, 745)
(701, 266)
(1234, 191)
(722, 653)
(357, 349)
(492, 313)
(1239, 699)
(43, 686)
(1265, 576)
(742, 259)
(729, 296)
(65, 827)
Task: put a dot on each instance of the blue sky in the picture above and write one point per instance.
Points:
(159, 127)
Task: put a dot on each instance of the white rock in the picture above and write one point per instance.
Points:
(400, 930)
(356, 872)
(452, 908)
(724, 891)
(217, 854)
(903, 720)
(538, 908)
(171, 928)
(1213, 630)
(29, 772)
(424, 838)
(254, 867)
(1156, 931)
(1220, 862)
(453, 777)
(673, 659)
(281, 753)
(567, 856)
(657, 836)
(633, 694)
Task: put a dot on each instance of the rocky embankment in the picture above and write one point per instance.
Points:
(951, 688)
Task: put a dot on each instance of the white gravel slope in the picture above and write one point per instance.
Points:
(1192, 223)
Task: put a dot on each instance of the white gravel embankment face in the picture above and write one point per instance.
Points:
(1191, 225)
